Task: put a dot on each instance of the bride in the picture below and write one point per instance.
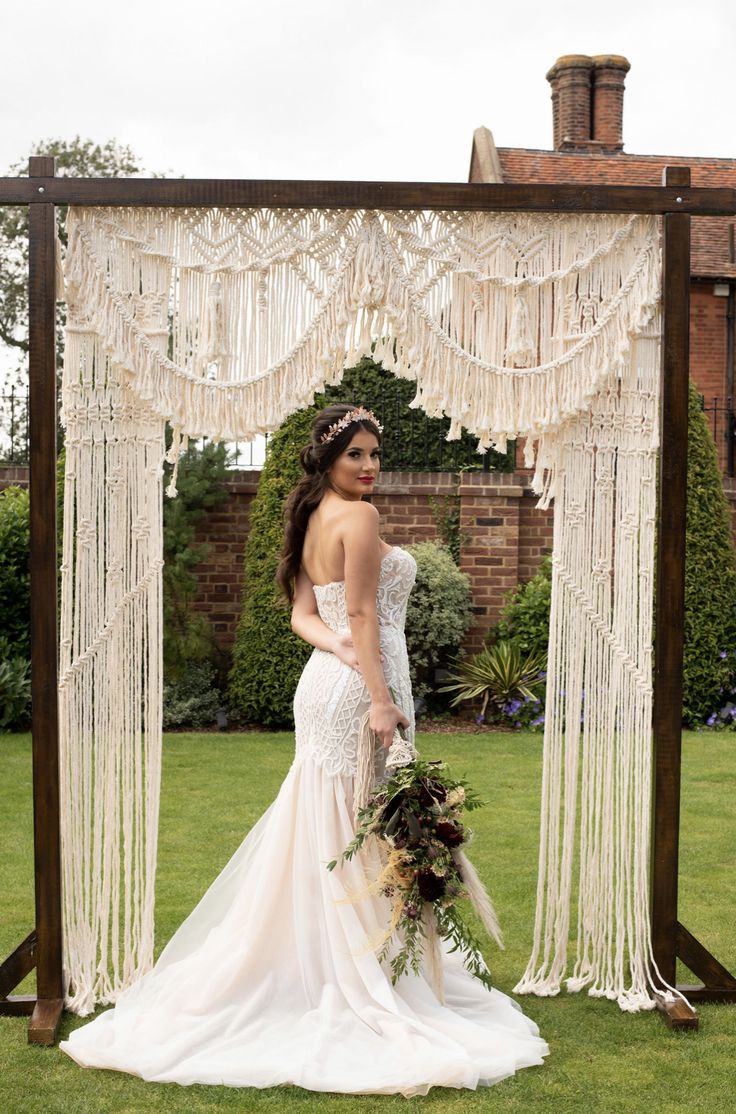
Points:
(270, 980)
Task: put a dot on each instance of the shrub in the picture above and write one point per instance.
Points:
(525, 618)
(15, 689)
(15, 598)
(192, 699)
(411, 441)
(268, 656)
(188, 637)
(437, 616)
(710, 577)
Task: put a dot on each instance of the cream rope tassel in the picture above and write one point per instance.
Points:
(365, 769)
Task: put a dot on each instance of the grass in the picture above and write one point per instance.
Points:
(214, 788)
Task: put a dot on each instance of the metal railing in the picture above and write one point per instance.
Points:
(14, 434)
(722, 422)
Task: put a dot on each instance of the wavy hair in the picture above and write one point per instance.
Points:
(315, 459)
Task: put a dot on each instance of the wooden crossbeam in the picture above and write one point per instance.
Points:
(532, 197)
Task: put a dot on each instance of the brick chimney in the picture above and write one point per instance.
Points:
(570, 78)
(588, 102)
(609, 73)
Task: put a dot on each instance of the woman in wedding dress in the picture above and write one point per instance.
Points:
(271, 979)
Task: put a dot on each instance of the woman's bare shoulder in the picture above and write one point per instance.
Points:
(359, 511)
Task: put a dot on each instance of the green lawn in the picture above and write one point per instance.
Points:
(215, 786)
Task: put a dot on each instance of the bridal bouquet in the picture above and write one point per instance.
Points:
(417, 817)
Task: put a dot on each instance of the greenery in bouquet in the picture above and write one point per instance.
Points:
(416, 815)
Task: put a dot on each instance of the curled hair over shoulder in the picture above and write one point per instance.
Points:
(315, 459)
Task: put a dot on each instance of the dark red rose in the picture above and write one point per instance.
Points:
(431, 793)
(431, 887)
(449, 833)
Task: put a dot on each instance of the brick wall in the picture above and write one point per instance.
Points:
(221, 573)
(708, 345)
(13, 475)
(504, 534)
(504, 538)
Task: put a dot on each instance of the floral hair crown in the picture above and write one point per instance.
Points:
(350, 417)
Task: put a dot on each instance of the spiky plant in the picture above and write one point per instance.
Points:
(497, 674)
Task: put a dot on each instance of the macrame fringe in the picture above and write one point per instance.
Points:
(372, 303)
(365, 770)
(542, 327)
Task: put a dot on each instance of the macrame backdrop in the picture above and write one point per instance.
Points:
(225, 321)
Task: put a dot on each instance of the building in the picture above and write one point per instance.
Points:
(588, 147)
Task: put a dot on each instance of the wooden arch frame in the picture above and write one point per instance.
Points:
(675, 201)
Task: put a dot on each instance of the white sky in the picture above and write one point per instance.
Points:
(351, 89)
(354, 89)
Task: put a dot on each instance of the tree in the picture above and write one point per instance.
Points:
(76, 158)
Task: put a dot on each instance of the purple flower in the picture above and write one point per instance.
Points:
(722, 655)
(411, 911)
(711, 720)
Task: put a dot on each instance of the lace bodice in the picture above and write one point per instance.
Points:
(391, 597)
(331, 697)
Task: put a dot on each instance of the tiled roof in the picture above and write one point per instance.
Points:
(712, 251)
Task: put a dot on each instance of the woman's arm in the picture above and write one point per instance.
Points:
(306, 622)
(361, 546)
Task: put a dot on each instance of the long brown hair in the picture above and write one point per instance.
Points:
(315, 459)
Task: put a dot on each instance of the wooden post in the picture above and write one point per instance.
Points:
(670, 939)
(670, 599)
(42, 413)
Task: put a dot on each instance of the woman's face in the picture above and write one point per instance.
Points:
(355, 470)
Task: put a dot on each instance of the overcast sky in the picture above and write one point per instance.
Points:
(352, 89)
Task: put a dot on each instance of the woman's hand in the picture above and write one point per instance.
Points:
(345, 651)
(383, 719)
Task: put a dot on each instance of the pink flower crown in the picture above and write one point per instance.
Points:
(350, 417)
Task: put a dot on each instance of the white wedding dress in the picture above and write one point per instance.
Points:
(270, 979)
